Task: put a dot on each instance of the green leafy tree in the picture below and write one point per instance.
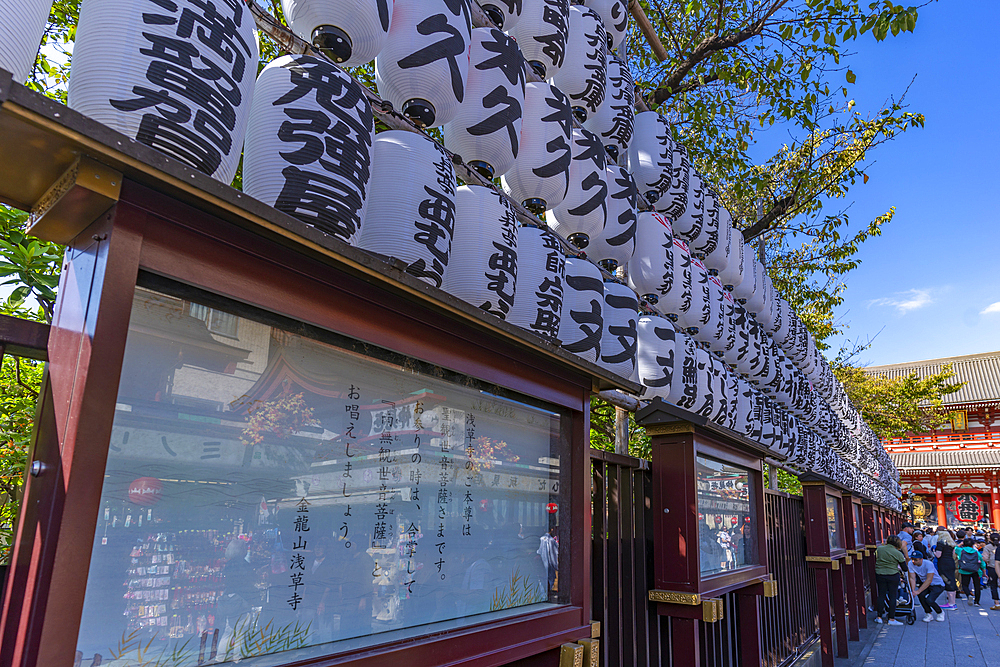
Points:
(19, 382)
(894, 407)
(735, 73)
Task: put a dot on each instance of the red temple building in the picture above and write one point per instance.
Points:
(952, 471)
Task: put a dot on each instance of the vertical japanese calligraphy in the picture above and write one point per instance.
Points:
(539, 293)
(177, 75)
(411, 209)
(483, 265)
(309, 145)
(424, 66)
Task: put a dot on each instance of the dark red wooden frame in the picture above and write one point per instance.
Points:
(675, 487)
(152, 232)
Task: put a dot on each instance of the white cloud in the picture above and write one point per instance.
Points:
(904, 302)
(991, 309)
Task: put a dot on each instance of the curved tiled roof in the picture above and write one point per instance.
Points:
(953, 458)
(979, 372)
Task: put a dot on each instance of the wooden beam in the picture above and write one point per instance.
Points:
(647, 30)
(24, 338)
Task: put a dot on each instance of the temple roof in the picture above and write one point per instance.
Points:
(979, 372)
(952, 458)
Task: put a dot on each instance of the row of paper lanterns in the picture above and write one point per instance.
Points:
(311, 153)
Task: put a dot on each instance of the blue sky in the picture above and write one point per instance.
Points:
(930, 284)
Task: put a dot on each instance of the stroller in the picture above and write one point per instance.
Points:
(906, 604)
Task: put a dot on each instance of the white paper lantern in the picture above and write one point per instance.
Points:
(583, 74)
(583, 212)
(154, 72)
(699, 313)
(756, 300)
(732, 275)
(673, 201)
(689, 223)
(615, 245)
(747, 286)
(504, 13)
(675, 291)
(539, 177)
(715, 332)
(708, 238)
(423, 68)
(309, 155)
(651, 269)
(718, 259)
(541, 275)
(349, 32)
(618, 344)
(541, 32)
(733, 396)
(22, 23)
(655, 355)
(582, 323)
(736, 356)
(614, 119)
(715, 405)
(483, 265)
(411, 204)
(487, 128)
(650, 156)
(614, 15)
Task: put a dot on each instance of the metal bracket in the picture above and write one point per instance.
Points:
(674, 597)
(711, 610)
(591, 652)
(571, 655)
(85, 191)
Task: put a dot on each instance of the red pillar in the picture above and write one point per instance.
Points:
(942, 518)
(822, 576)
(840, 610)
(994, 501)
(852, 600)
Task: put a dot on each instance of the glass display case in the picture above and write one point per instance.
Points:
(727, 521)
(271, 487)
(834, 522)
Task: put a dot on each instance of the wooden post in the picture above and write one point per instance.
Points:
(822, 576)
(621, 431)
(853, 610)
(859, 592)
(684, 642)
(840, 611)
(750, 644)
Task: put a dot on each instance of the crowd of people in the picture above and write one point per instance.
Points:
(933, 562)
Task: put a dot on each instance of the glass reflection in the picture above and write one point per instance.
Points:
(834, 522)
(726, 521)
(268, 492)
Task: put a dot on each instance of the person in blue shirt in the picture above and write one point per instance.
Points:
(926, 585)
(906, 535)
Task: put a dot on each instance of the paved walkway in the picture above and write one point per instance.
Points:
(969, 638)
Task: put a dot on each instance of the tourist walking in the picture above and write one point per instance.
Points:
(969, 562)
(889, 557)
(924, 575)
(944, 549)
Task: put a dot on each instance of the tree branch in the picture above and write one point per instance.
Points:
(780, 208)
(707, 47)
